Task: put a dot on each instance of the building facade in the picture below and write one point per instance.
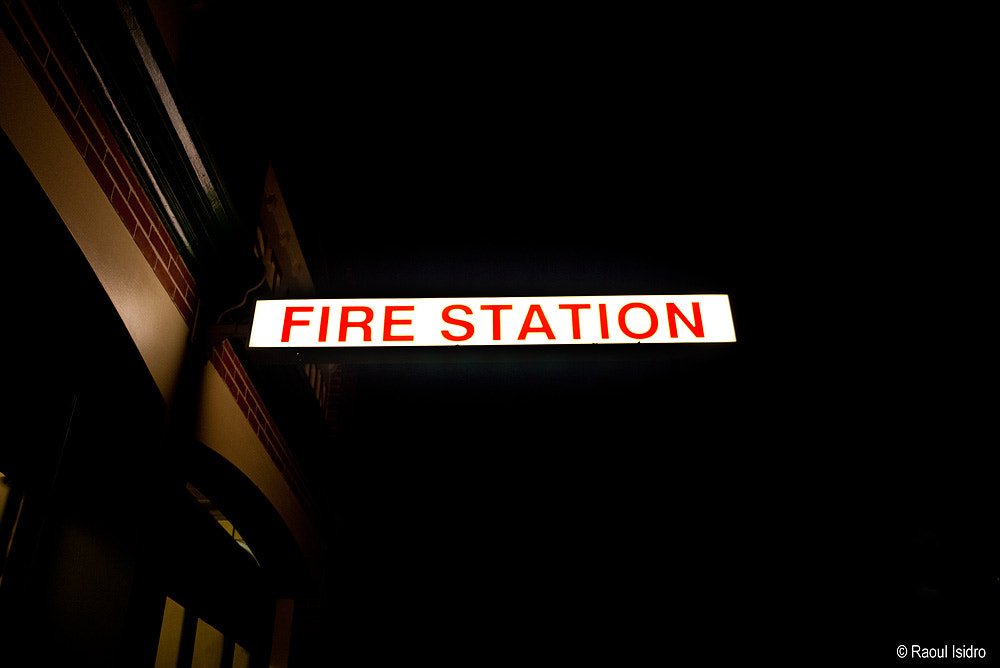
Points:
(153, 509)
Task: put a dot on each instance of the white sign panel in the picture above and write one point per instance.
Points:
(492, 321)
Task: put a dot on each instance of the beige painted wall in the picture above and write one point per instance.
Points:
(150, 316)
(222, 426)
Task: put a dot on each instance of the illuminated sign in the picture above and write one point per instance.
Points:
(492, 321)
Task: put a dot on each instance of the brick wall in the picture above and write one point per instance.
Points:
(84, 124)
(233, 373)
(79, 115)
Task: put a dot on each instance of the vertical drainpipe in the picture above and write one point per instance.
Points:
(206, 332)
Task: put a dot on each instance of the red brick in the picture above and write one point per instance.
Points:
(121, 206)
(38, 73)
(269, 448)
(183, 276)
(264, 419)
(241, 375)
(62, 83)
(86, 102)
(242, 403)
(117, 175)
(254, 422)
(156, 238)
(228, 362)
(217, 363)
(135, 201)
(175, 271)
(231, 384)
(65, 116)
(188, 277)
(145, 247)
(161, 272)
(146, 205)
(96, 165)
(252, 395)
(178, 300)
(190, 298)
(89, 129)
(271, 438)
(123, 166)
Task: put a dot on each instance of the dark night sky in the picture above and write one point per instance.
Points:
(496, 496)
(488, 155)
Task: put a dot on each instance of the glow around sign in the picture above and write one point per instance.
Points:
(492, 321)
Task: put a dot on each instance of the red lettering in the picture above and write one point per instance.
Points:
(496, 308)
(653, 322)
(365, 324)
(324, 323)
(543, 327)
(602, 310)
(387, 334)
(698, 329)
(575, 311)
(469, 329)
(290, 311)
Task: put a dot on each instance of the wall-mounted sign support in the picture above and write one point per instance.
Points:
(493, 321)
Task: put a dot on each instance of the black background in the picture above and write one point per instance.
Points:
(823, 486)
(824, 482)
(604, 503)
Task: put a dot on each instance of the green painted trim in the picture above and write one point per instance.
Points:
(118, 52)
